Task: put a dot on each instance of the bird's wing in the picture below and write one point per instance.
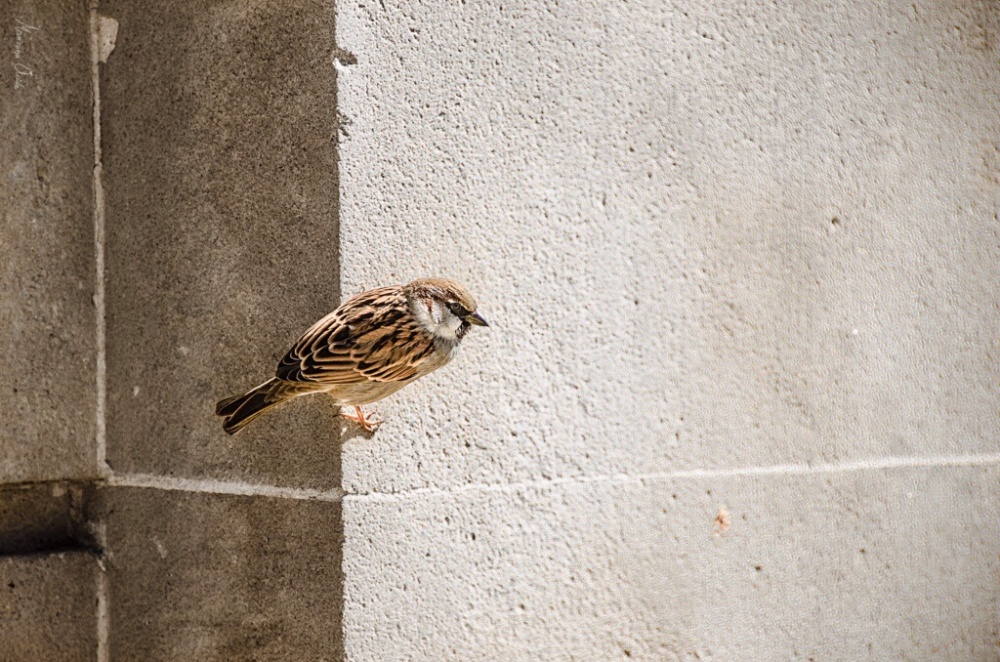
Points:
(372, 337)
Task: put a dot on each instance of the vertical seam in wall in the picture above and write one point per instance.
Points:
(103, 599)
(102, 624)
(99, 289)
(338, 54)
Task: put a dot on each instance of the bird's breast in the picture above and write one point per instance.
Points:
(364, 393)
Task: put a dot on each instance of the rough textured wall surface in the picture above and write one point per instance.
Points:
(48, 607)
(48, 601)
(218, 122)
(47, 340)
(739, 396)
(217, 128)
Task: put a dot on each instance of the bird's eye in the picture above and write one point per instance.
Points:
(458, 310)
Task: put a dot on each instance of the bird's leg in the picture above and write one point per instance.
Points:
(368, 425)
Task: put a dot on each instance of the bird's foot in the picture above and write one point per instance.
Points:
(367, 424)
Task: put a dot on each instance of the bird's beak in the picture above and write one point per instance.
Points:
(477, 319)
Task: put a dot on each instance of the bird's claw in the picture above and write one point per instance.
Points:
(367, 424)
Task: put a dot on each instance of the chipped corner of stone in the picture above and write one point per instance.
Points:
(107, 37)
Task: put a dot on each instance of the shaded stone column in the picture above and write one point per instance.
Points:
(132, 526)
(48, 571)
(218, 123)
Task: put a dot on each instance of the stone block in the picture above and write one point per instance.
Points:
(47, 321)
(197, 576)
(48, 607)
(704, 236)
(219, 163)
(853, 565)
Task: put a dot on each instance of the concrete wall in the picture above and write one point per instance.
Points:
(48, 591)
(217, 123)
(737, 258)
(47, 337)
(213, 203)
(738, 399)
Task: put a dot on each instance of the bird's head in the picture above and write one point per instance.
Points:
(445, 309)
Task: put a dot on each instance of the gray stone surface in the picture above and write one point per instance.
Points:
(710, 238)
(212, 577)
(219, 129)
(738, 400)
(895, 565)
(47, 323)
(48, 607)
(705, 235)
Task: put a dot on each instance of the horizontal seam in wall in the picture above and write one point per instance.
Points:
(877, 464)
(208, 486)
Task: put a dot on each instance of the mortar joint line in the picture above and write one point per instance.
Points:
(233, 488)
(805, 469)
(103, 624)
(100, 311)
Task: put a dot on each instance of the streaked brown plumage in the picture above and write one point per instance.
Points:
(367, 349)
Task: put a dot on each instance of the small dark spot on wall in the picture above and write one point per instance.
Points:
(835, 221)
(344, 56)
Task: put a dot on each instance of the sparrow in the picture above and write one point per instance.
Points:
(367, 349)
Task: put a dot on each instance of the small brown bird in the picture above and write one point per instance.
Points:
(367, 349)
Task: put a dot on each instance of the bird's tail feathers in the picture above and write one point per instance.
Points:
(240, 410)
